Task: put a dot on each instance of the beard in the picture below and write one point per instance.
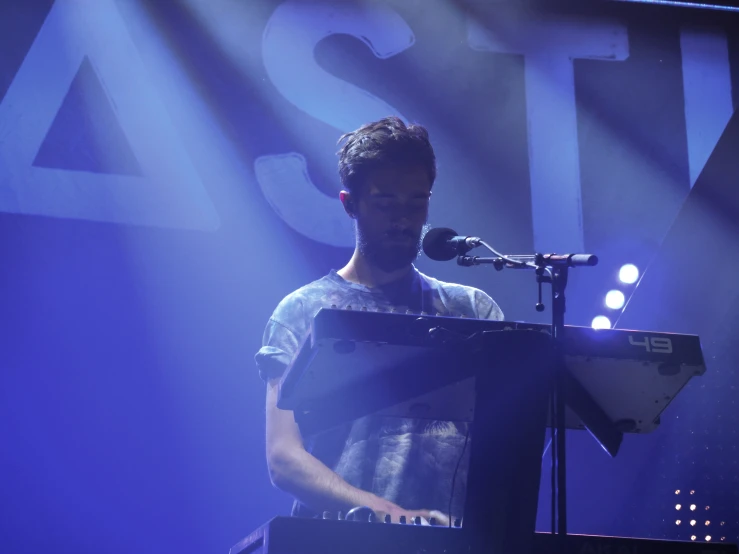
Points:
(387, 255)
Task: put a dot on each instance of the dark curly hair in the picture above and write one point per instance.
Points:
(385, 143)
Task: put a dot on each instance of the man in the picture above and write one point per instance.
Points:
(394, 466)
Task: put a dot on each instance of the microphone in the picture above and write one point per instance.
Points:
(442, 244)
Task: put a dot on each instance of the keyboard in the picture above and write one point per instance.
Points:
(633, 375)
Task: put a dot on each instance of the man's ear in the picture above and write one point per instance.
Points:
(349, 205)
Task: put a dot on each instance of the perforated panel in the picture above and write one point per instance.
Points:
(708, 460)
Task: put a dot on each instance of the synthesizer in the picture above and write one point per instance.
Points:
(633, 375)
(292, 535)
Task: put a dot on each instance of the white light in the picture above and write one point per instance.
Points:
(615, 299)
(628, 274)
(601, 322)
(693, 507)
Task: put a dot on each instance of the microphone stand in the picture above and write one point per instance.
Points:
(552, 269)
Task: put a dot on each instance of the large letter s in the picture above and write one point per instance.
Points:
(291, 34)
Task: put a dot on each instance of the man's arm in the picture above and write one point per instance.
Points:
(292, 468)
(298, 473)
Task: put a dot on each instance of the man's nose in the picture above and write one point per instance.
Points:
(400, 221)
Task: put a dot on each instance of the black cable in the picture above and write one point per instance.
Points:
(514, 263)
(553, 411)
(456, 469)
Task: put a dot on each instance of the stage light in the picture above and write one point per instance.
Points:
(693, 507)
(601, 322)
(628, 274)
(708, 538)
(678, 506)
(615, 299)
(693, 522)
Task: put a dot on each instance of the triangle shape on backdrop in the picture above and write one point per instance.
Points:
(168, 190)
(85, 134)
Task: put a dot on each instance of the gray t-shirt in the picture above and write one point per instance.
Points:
(406, 461)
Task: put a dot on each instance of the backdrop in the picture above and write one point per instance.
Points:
(168, 174)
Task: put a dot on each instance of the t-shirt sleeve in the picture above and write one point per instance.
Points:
(486, 307)
(281, 339)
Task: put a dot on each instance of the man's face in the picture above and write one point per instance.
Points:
(391, 216)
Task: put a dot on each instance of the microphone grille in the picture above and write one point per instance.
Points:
(435, 244)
